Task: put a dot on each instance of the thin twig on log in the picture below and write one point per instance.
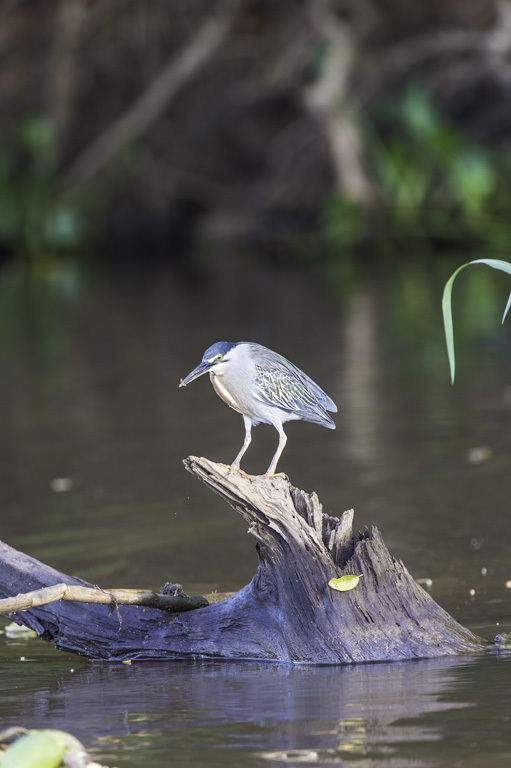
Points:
(178, 71)
(79, 594)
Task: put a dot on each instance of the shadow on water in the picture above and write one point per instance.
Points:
(91, 363)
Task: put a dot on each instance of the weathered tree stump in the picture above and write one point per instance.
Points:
(287, 613)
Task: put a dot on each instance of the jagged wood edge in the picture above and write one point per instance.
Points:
(336, 548)
(287, 612)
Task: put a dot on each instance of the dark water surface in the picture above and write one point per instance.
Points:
(90, 365)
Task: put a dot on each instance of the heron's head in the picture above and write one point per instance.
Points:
(215, 360)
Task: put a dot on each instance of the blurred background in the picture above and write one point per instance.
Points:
(305, 174)
(305, 127)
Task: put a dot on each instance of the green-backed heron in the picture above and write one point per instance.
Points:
(265, 388)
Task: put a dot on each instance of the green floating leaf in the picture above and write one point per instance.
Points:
(503, 266)
(345, 583)
(38, 749)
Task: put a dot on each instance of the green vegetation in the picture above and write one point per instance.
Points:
(434, 186)
(35, 220)
(503, 266)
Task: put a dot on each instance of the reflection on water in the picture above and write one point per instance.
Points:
(89, 391)
(89, 395)
(433, 712)
(364, 433)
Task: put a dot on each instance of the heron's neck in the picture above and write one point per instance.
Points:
(220, 389)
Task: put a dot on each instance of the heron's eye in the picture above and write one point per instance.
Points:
(219, 357)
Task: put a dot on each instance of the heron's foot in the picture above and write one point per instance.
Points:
(234, 468)
(277, 474)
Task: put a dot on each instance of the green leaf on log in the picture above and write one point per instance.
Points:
(345, 583)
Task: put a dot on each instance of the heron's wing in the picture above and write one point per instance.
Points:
(279, 389)
(282, 384)
(322, 397)
(274, 365)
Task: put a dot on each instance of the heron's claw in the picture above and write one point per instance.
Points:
(232, 468)
(277, 474)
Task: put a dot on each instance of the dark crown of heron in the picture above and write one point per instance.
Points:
(219, 348)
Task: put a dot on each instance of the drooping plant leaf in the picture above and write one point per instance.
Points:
(345, 583)
(503, 266)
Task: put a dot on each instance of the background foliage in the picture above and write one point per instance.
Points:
(140, 126)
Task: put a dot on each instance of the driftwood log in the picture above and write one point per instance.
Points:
(287, 613)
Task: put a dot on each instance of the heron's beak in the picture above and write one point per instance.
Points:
(201, 368)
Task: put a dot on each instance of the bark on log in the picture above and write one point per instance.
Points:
(287, 613)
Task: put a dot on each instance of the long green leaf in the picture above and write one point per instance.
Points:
(507, 308)
(503, 266)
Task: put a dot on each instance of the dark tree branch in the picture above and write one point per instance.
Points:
(139, 117)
